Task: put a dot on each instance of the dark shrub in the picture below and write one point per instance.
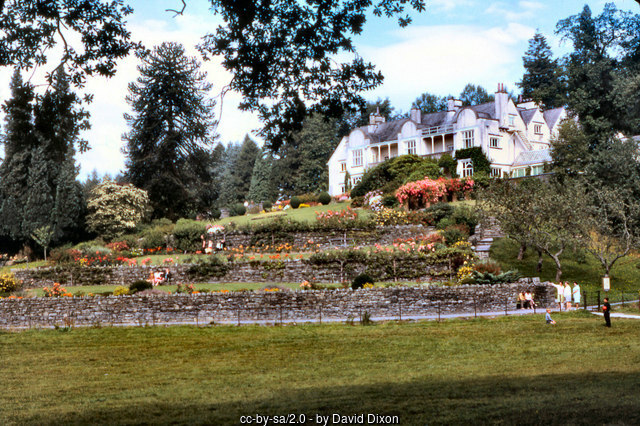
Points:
(215, 213)
(139, 285)
(464, 215)
(62, 254)
(357, 201)
(390, 201)
(324, 198)
(295, 202)
(237, 209)
(152, 238)
(361, 280)
(424, 170)
(419, 217)
(267, 205)
(308, 198)
(439, 211)
(187, 234)
(454, 233)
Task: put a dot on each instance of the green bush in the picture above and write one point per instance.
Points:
(427, 169)
(464, 215)
(152, 238)
(440, 211)
(295, 202)
(266, 205)
(237, 210)
(308, 198)
(361, 280)
(324, 198)
(139, 285)
(61, 254)
(132, 240)
(454, 233)
(448, 164)
(187, 234)
(390, 201)
(357, 201)
(253, 209)
(215, 213)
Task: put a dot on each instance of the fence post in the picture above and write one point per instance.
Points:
(400, 308)
(280, 315)
(506, 301)
(475, 307)
(321, 313)
(438, 311)
(238, 313)
(598, 300)
(584, 298)
(623, 299)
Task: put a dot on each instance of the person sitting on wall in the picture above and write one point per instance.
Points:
(167, 276)
(221, 244)
(521, 301)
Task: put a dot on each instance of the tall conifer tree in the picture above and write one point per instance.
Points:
(170, 126)
(542, 77)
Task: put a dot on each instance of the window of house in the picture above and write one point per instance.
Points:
(356, 180)
(537, 129)
(519, 172)
(467, 169)
(496, 172)
(343, 167)
(357, 158)
(512, 120)
(467, 138)
(411, 146)
(537, 170)
(342, 189)
(494, 142)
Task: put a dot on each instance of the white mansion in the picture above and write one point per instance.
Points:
(514, 137)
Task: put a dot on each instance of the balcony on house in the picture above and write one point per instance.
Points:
(382, 151)
(438, 140)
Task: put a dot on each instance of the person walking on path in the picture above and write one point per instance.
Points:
(606, 309)
(567, 295)
(576, 294)
(548, 318)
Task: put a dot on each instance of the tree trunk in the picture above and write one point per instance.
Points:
(521, 252)
(539, 265)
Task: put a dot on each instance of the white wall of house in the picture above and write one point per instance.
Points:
(502, 138)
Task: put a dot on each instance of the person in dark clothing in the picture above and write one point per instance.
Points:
(606, 309)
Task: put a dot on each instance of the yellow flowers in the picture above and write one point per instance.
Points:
(8, 283)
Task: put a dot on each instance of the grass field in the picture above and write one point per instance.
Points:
(307, 214)
(514, 370)
(582, 268)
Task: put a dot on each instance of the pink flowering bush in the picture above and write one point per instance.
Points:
(422, 192)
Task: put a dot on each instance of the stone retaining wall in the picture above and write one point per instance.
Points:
(274, 307)
(325, 240)
(290, 271)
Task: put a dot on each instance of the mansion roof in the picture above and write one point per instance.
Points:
(533, 157)
(388, 131)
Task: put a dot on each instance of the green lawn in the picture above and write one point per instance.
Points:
(582, 268)
(96, 289)
(514, 370)
(307, 214)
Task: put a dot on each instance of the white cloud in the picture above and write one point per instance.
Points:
(442, 59)
(523, 10)
(109, 103)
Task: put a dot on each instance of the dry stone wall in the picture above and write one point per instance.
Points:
(310, 305)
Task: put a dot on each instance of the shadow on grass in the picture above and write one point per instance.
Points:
(606, 398)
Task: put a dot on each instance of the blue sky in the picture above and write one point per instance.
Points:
(452, 43)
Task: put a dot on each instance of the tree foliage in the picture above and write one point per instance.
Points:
(542, 80)
(282, 55)
(170, 130)
(263, 185)
(475, 95)
(115, 208)
(92, 34)
(428, 103)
